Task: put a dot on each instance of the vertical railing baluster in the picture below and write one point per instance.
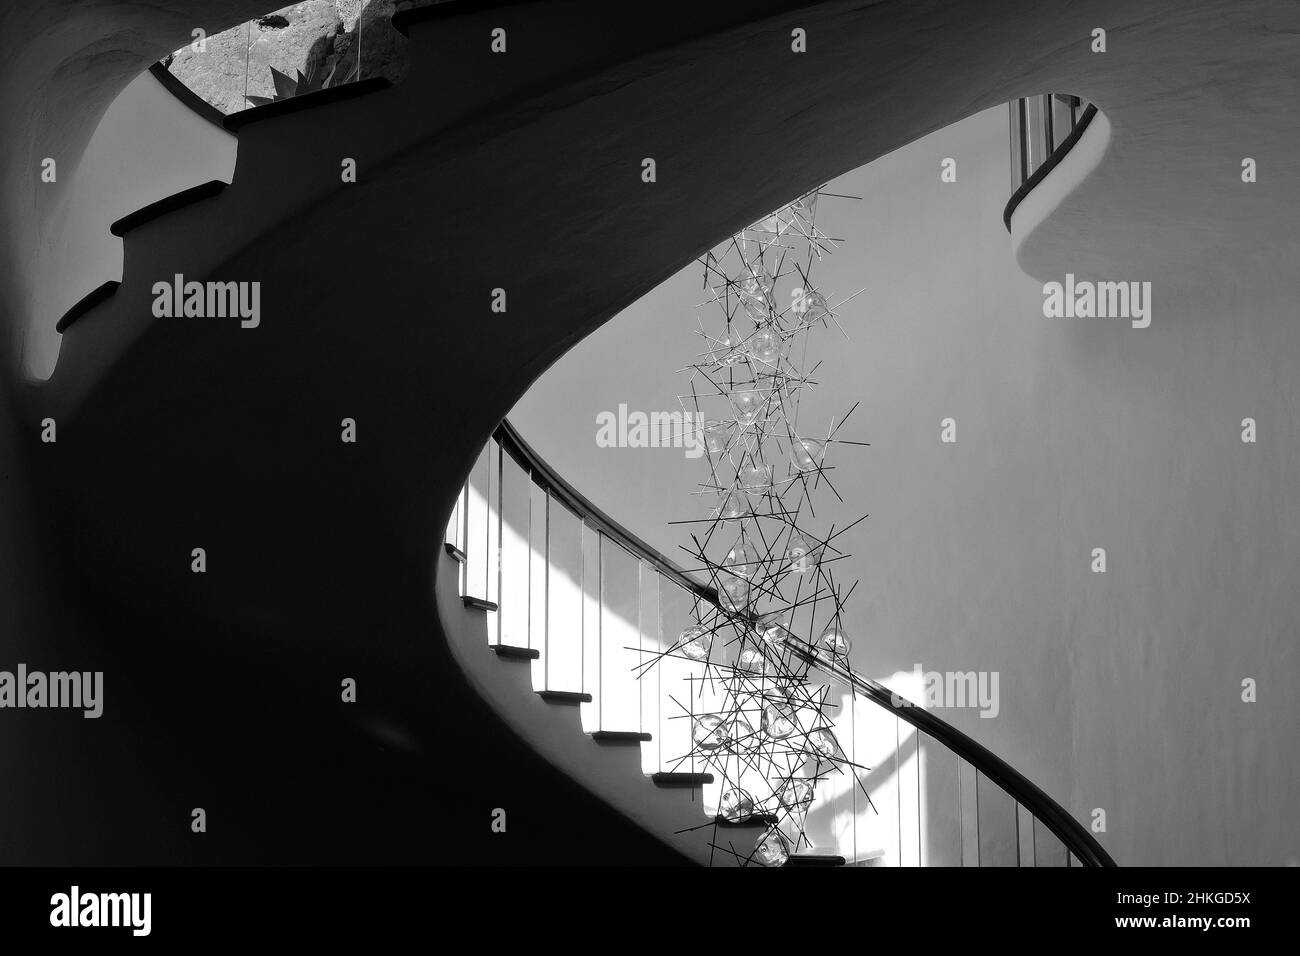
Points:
(1049, 126)
(620, 638)
(591, 626)
(600, 713)
(477, 518)
(853, 758)
(537, 580)
(652, 672)
(1024, 835)
(546, 593)
(463, 532)
(564, 597)
(920, 819)
(909, 783)
(898, 773)
(676, 613)
(968, 790)
(494, 539)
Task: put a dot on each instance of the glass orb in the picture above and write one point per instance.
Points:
(798, 555)
(756, 280)
(766, 346)
(716, 437)
(751, 659)
(732, 507)
(778, 722)
(771, 849)
(738, 730)
(814, 307)
(754, 479)
(806, 454)
(758, 308)
(695, 642)
(822, 742)
(705, 732)
(749, 404)
(736, 806)
(728, 348)
(834, 641)
(796, 795)
(741, 559)
(734, 594)
(773, 626)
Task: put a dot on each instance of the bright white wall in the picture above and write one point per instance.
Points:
(148, 146)
(1119, 691)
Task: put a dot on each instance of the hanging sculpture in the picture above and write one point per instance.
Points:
(761, 716)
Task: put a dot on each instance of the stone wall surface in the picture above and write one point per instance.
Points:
(323, 35)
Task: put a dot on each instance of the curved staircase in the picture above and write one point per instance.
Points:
(316, 547)
(531, 601)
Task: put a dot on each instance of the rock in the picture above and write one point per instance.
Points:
(237, 62)
(348, 12)
(382, 49)
(323, 34)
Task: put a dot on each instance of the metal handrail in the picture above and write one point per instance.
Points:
(546, 478)
(1048, 165)
(1069, 831)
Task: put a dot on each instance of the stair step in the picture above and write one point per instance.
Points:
(455, 552)
(165, 205)
(681, 779)
(88, 302)
(479, 603)
(564, 697)
(814, 859)
(620, 737)
(512, 653)
(331, 94)
(758, 819)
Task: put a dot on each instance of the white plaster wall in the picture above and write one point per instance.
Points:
(148, 146)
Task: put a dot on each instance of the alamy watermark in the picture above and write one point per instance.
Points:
(977, 689)
(209, 300)
(77, 909)
(1101, 300)
(624, 429)
(75, 690)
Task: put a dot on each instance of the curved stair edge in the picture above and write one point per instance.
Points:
(675, 815)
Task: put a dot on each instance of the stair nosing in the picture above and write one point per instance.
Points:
(481, 603)
(514, 652)
(564, 697)
(177, 88)
(621, 737)
(663, 779)
(293, 104)
(87, 302)
(165, 205)
(454, 552)
(758, 819)
(815, 859)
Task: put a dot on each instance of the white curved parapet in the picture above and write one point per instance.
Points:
(1075, 166)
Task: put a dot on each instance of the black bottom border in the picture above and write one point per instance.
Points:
(241, 904)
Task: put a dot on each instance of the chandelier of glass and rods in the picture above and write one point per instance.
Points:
(761, 720)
